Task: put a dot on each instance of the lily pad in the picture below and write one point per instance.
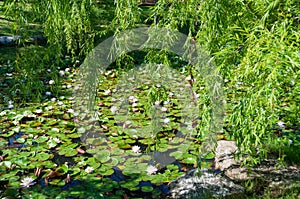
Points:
(189, 159)
(105, 170)
(69, 152)
(177, 154)
(43, 156)
(103, 156)
(146, 189)
(130, 185)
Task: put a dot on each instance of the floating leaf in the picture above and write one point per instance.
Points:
(131, 185)
(103, 156)
(42, 139)
(189, 159)
(69, 152)
(211, 155)
(42, 156)
(177, 154)
(105, 170)
(147, 188)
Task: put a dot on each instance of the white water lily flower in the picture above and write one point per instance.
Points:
(107, 92)
(157, 103)
(69, 86)
(67, 69)
(89, 169)
(60, 103)
(166, 120)
(133, 99)
(48, 93)
(164, 109)
(39, 111)
(134, 105)
(281, 124)
(70, 111)
(50, 107)
(51, 143)
(126, 124)
(114, 109)
(10, 106)
(56, 140)
(136, 149)
(51, 82)
(27, 181)
(53, 99)
(151, 170)
(61, 73)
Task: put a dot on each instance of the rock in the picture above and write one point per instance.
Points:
(224, 157)
(267, 170)
(267, 173)
(9, 40)
(13, 40)
(190, 185)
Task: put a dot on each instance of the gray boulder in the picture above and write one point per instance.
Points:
(208, 184)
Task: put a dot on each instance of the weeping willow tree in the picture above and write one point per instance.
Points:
(66, 24)
(256, 47)
(67, 28)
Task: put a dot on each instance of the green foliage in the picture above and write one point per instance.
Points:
(67, 25)
(256, 47)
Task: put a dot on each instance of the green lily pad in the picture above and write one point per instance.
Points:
(20, 140)
(131, 170)
(146, 141)
(177, 154)
(123, 145)
(108, 186)
(41, 139)
(69, 152)
(105, 170)
(131, 185)
(211, 155)
(146, 188)
(43, 156)
(189, 159)
(103, 156)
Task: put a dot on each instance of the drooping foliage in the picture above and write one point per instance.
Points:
(255, 45)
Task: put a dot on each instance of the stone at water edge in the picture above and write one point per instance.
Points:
(13, 40)
(208, 184)
(224, 156)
